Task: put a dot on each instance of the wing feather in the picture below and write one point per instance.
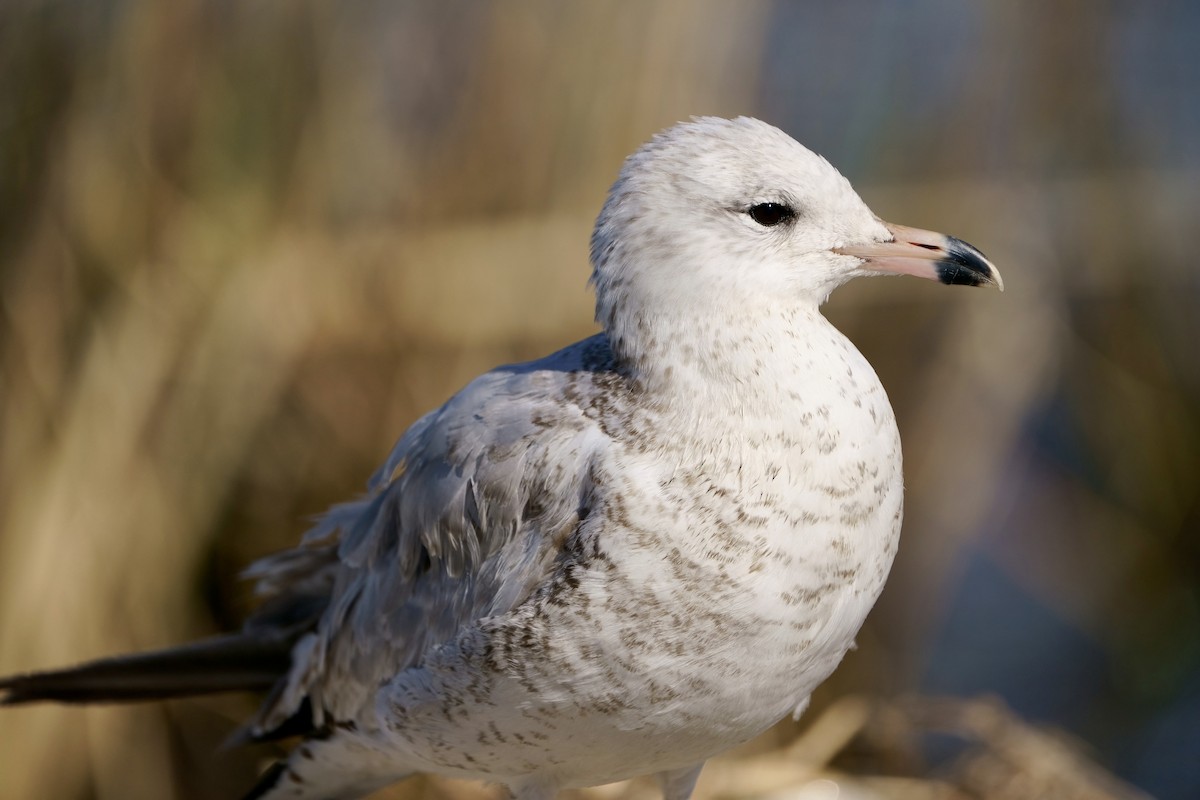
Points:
(463, 521)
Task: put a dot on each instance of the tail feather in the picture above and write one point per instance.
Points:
(238, 662)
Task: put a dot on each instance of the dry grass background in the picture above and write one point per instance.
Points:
(242, 246)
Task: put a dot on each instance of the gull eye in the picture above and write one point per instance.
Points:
(771, 214)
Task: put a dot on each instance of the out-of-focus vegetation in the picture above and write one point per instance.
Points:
(243, 245)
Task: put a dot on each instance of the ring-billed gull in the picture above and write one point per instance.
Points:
(620, 559)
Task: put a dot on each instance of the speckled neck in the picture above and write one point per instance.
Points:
(729, 357)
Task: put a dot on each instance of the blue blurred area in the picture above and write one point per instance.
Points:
(1155, 75)
(996, 638)
(842, 79)
(1036, 89)
(999, 639)
(1128, 685)
(1162, 755)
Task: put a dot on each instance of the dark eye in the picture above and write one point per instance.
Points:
(771, 214)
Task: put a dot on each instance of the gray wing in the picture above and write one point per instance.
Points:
(463, 521)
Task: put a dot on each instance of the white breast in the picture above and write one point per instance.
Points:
(721, 576)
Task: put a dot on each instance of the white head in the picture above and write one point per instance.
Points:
(715, 214)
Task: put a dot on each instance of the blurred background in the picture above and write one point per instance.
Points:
(244, 245)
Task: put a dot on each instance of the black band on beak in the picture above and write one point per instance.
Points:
(963, 265)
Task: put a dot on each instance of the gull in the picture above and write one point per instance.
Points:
(621, 559)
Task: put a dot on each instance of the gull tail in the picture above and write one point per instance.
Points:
(238, 662)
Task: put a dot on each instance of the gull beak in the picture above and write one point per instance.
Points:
(926, 254)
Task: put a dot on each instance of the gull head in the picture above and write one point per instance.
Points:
(716, 214)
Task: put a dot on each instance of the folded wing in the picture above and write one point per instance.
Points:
(463, 521)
